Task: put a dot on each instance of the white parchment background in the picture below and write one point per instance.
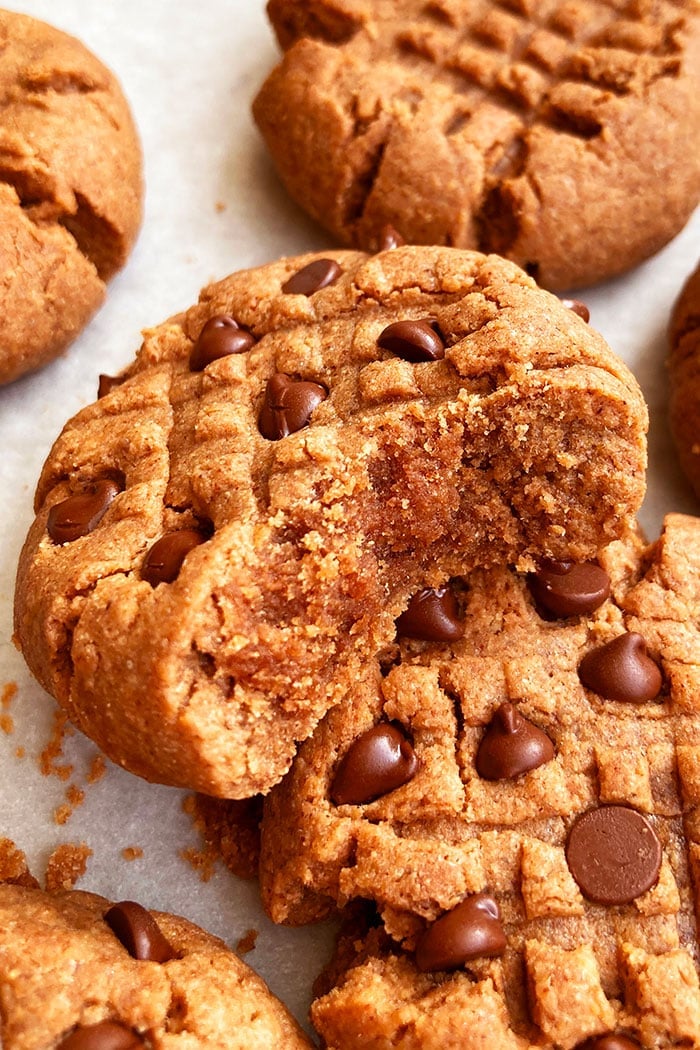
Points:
(190, 71)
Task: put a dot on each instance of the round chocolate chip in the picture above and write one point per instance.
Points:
(432, 615)
(106, 384)
(288, 405)
(621, 670)
(106, 1035)
(413, 341)
(164, 559)
(378, 762)
(511, 745)
(139, 932)
(565, 588)
(78, 515)
(578, 308)
(390, 238)
(220, 337)
(311, 278)
(610, 1042)
(471, 930)
(614, 854)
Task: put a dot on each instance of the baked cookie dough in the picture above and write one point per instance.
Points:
(78, 973)
(684, 376)
(521, 805)
(554, 133)
(225, 538)
(70, 189)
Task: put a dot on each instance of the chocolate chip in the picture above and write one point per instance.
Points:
(78, 515)
(511, 745)
(432, 615)
(311, 278)
(106, 384)
(578, 308)
(221, 336)
(614, 854)
(621, 670)
(471, 930)
(105, 1035)
(413, 341)
(164, 560)
(288, 405)
(390, 238)
(139, 932)
(378, 762)
(565, 588)
(609, 1042)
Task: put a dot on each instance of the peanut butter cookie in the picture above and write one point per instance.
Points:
(555, 133)
(684, 375)
(70, 189)
(225, 538)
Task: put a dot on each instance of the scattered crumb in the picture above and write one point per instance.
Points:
(7, 724)
(98, 768)
(247, 942)
(231, 832)
(220, 206)
(66, 865)
(54, 749)
(20, 752)
(13, 865)
(9, 692)
(132, 852)
(75, 797)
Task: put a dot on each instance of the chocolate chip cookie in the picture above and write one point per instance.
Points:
(225, 538)
(80, 973)
(70, 189)
(520, 802)
(554, 133)
(684, 376)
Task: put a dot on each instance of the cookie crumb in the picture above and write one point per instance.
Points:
(220, 206)
(54, 749)
(20, 752)
(66, 865)
(247, 942)
(132, 853)
(9, 692)
(13, 865)
(98, 768)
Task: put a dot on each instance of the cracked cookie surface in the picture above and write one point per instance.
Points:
(551, 132)
(70, 189)
(599, 919)
(684, 378)
(225, 538)
(71, 978)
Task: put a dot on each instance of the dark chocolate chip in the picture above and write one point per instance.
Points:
(609, 1042)
(511, 745)
(614, 854)
(471, 930)
(390, 238)
(378, 762)
(106, 384)
(80, 514)
(432, 615)
(221, 336)
(413, 341)
(105, 1035)
(164, 559)
(312, 277)
(621, 670)
(569, 588)
(139, 932)
(577, 307)
(288, 405)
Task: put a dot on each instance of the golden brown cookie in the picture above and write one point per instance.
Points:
(521, 805)
(684, 376)
(70, 189)
(223, 540)
(555, 133)
(78, 973)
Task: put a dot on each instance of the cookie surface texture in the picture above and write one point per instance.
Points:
(218, 550)
(590, 854)
(684, 378)
(552, 133)
(70, 189)
(70, 979)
